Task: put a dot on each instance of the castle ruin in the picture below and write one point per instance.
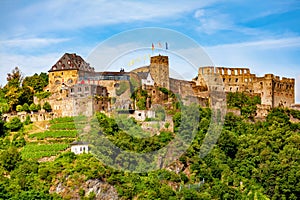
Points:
(72, 82)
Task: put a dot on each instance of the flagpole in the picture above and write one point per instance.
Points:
(152, 48)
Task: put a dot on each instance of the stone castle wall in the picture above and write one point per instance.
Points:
(273, 91)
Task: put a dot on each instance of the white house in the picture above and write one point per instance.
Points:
(78, 147)
(148, 80)
(141, 115)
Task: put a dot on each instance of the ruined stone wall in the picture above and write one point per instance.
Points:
(262, 111)
(159, 70)
(273, 91)
(182, 87)
(234, 79)
(189, 92)
(264, 87)
(284, 92)
(34, 116)
(237, 79)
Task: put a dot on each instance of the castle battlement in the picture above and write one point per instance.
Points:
(159, 60)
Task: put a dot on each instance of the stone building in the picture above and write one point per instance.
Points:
(77, 89)
(157, 72)
(274, 92)
(66, 72)
(70, 94)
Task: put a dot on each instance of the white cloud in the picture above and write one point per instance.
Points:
(27, 64)
(31, 42)
(66, 15)
(265, 44)
(213, 21)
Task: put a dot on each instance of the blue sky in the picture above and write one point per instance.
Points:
(261, 35)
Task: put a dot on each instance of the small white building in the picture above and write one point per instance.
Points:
(147, 79)
(141, 115)
(79, 147)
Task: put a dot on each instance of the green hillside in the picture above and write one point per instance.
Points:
(251, 160)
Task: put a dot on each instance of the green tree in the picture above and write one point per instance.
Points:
(33, 107)
(12, 89)
(2, 126)
(47, 107)
(26, 107)
(38, 107)
(244, 102)
(4, 107)
(19, 108)
(26, 95)
(14, 78)
(13, 94)
(14, 124)
(9, 158)
(36, 82)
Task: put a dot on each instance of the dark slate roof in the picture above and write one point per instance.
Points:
(106, 73)
(71, 61)
(142, 75)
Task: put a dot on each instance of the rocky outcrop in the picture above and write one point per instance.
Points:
(93, 187)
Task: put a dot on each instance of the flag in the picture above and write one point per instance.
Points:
(152, 46)
(159, 45)
(167, 46)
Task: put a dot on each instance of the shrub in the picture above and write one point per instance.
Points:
(26, 107)
(14, 125)
(42, 95)
(33, 107)
(47, 107)
(19, 108)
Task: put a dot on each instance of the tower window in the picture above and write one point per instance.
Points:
(57, 82)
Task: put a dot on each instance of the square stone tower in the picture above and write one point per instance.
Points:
(159, 70)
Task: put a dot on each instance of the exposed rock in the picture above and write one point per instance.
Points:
(101, 190)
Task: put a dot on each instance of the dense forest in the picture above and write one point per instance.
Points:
(251, 160)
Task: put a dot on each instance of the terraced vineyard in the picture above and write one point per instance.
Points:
(52, 142)
(54, 134)
(37, 151)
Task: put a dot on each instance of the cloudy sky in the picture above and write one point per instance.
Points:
(261, 35)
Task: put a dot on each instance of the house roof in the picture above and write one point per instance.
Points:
(71, 61)
(106, 73)
(143, 75)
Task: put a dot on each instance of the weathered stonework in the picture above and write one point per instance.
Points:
(66, 71)
(71, 72)
(273, 91)
(159, 70)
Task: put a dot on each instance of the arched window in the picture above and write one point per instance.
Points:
(57, 82)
